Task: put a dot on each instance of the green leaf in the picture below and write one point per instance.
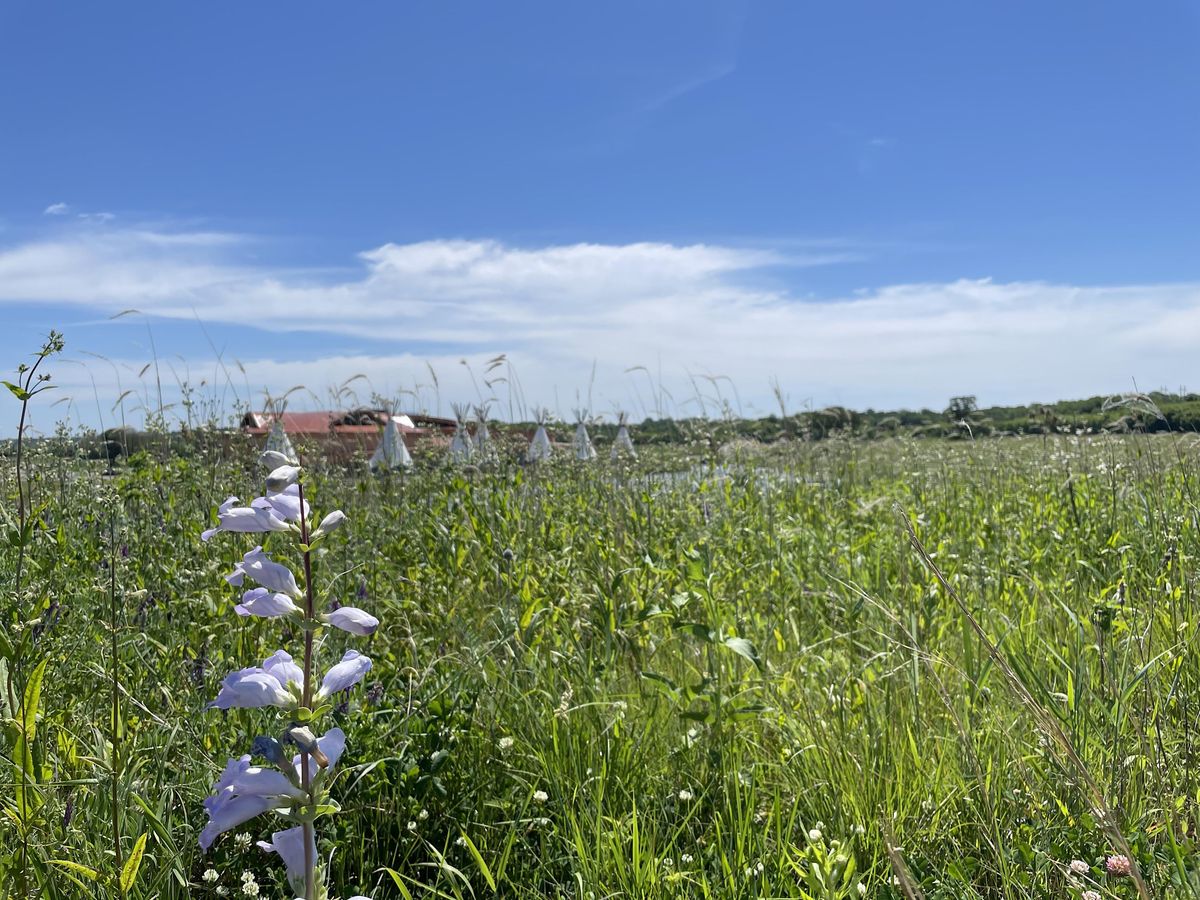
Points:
(130, 872)
(660, 680)
(33, 699)
(698, 631)
(744, 649)
(17, 391)
(398, 882)
(26, 794)
(78, 868)
(483, 867)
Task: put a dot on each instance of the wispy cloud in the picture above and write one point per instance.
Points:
(688, 85)
(63, 209)
(680, 308)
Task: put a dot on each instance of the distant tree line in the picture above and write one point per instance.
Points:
(962, 418)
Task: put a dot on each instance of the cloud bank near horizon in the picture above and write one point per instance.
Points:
(690, 312)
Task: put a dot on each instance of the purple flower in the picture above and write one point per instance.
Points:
(266, 604)
(230, 811)
(280, 665)
(268, 573)
(261, 686)
(345, 674)
(242, 792)
(241, 777)
(353, 620)
(289, 845)
(332, 743)
(285, 504)
(282, 477)
(246, 519)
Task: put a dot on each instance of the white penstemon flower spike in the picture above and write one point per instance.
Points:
(293, 785)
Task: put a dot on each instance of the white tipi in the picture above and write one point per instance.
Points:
(483, 437)
(584, 451)
(623, 443)
(539, 447)
(461, 447)
(278, 440)
(391, 452)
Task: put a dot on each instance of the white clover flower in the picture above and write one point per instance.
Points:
(540, 796)
(222, 891)
(247, 876)
(668, 863)
(505, 743)
(460, 841)
(241, 840)
(685, 795)
(423, 815)
(815, 835)
(210, 875)
(542, 822)
(1079, 867)
(250, 888)
(412, 826)
(685, 858)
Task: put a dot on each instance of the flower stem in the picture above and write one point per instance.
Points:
(310, 862)
(115, 735)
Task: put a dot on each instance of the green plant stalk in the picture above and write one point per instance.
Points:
(115, 725)
(310, 863)
(14, 681)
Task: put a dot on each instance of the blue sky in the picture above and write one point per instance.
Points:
(878, 204)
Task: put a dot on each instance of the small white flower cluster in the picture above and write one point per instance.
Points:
(564, 703)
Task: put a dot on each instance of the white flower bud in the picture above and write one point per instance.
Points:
(273, 459)
(331, 522)
(282, 477)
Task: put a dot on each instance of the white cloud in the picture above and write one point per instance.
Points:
(56, 209)
(702, 309)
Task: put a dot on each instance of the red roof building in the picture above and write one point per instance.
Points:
(346, 431)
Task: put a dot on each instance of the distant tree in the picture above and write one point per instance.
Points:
(962, 407)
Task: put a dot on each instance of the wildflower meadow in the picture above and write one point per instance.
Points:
(813, 669)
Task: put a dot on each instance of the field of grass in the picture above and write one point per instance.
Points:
(597, 682)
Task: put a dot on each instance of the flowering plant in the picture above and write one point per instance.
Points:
(292, 785)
